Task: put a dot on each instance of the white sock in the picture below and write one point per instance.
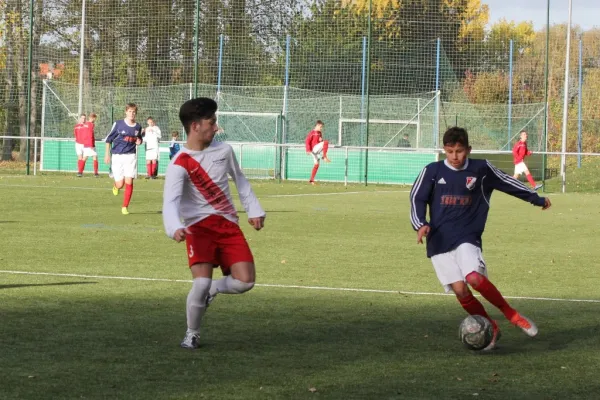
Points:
(229, 285)
(196, 303)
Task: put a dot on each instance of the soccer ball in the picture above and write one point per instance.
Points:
(475, 332)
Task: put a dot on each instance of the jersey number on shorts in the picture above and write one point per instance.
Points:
(191, 252)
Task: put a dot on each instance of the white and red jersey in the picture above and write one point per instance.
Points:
(197, 186)
(152, 137)
(78, 132)
(313, 138)
(520, 151)
(87, 134)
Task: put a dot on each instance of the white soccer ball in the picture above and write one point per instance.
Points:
(476, 332)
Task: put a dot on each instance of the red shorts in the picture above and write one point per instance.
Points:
(218, 241)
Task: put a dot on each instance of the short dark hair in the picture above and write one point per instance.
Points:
(175, 133)
(456, 135)
(149, 118)
(131, 105)
(196, 109)
(319, 122)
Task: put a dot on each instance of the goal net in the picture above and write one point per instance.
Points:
(381, 133)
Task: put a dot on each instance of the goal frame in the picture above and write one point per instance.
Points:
(403, 122)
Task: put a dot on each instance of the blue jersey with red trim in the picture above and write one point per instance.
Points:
(123, 136)
(459, 200)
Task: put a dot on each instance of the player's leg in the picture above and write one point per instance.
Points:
(118, 172)
(235, 258)
(95, 160)
(202, 257)
(195, 306)
(80, 162)
(130, 173)
(155, 169)
(450, 276)
(313, 173)
(148, 167)
(81, 165)
(325, 148)
(474, 270)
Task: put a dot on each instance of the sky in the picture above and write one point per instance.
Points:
(586, 13)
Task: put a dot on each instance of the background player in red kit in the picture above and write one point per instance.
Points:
(198, 208)
(89, 145)
(316, 146)
(520, 151)
(78, 133)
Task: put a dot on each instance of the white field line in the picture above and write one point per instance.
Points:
(234, 194)
(269, 285)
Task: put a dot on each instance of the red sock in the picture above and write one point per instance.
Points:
(473, 306)
(530, 179)
(314, 173)
(148, 169)
(128, 193)
(95, 167)
(325, 147)
(154, 169)
(80, 166)
(491, 294)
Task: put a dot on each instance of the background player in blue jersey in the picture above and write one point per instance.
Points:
(121, 144)
(457, 192)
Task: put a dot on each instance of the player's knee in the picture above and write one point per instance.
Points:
(474, 279)
(199, 291)
(240, 286)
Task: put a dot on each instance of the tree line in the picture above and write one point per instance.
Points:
(153, 43)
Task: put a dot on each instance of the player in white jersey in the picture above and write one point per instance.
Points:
(151, 138)
(197, 208)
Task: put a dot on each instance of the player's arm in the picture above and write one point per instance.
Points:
(496, 179)
(515, 149)
(112, 135)
(419, 199)
(256, 214)
(307, 142)
(173, 188)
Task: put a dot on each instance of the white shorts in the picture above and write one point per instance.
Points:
(520, 168)
(79, 149)
(456, 264)
(89, 152)
(152, 155)
(316, 151)
(124, 166)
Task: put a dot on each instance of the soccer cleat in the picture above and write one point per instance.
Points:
(526, 325)
(97, 175)
(115, 191)
(190, 341)
(124, 211)
(313, 183)
(496, 336)
(79, 175)
(538, 186)
(326, 159)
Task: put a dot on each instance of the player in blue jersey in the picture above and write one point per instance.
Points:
(121, 143)
(457, 192)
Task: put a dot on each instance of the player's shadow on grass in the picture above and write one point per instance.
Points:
(22, 285)
(145, 212)
(8, 222)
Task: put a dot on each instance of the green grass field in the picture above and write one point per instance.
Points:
(74, 325)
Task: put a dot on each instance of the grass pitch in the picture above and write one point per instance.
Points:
(72, 326)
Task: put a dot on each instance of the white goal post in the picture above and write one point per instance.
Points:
(402, 125)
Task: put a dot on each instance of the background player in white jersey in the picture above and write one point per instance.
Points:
(197, 192)
(151, 138)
